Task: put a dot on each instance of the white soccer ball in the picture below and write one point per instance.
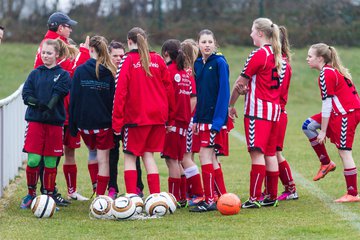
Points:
(101, 207)
(155, 204)
(139, 203)
(43, 206)
(170, 201)
(123, 208)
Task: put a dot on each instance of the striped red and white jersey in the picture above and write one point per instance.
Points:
(334, 85)
(263, 98)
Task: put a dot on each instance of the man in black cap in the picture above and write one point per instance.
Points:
(60, 26)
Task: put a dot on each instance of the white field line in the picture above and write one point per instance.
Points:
(339, 209)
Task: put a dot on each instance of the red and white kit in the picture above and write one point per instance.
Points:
(345, 101)
(150, 101)
(175, 140)
(262, 102)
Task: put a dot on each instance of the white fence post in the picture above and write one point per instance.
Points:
(12, 129)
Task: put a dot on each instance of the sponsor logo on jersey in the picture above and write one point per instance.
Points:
(177, 78)
(56, 77)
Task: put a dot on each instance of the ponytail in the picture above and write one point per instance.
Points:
(331, 57)
(187, 56)
(99, 44)
(285, 45)
(138, 36)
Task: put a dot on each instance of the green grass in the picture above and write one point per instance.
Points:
(307, 218)
(16, 61)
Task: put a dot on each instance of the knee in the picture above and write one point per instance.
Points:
(33, 160)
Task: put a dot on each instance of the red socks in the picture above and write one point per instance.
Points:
(174, 187)
(70, 172)
(219, 182)
(271, 184)
(130, 177)
(208, 180)
(153, 180)
(257, 175)
(102, 182)
(49, 178)
(351, 181)
(183, 187)
(93, 171)
(195, 185)
(32, 176)
(286, 177)
(320, 151)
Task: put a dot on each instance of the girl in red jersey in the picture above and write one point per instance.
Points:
(176, 54)
(91, 102)
(340, 114)
(285, 173)
(143, 104)
(43, 92)
(260, 83)
(213, 92)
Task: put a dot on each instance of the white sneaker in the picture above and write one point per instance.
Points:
(77, 196)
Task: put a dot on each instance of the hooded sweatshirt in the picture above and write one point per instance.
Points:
(213, 91)
(91, 99)
(43, 84)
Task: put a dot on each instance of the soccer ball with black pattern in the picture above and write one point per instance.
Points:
(155, 204)
(43, 206)
(123, 208)
(101, 207)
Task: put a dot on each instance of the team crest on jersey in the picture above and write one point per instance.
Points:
(56, 77)
(177, 77)
(210, 68)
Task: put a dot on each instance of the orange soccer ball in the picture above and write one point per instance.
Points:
(229, 204)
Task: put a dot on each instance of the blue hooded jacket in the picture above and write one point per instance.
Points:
(213, 91)
(43, 84)
(91, 99)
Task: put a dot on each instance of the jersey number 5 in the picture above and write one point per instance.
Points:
(275, 77)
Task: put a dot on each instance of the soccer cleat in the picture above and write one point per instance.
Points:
(59, 200)
(204, 207)
(262, 196)
(251, 204)
(286, 195)
(77, 196)
(112, 193)
(348, 198)
(195, 200)
(26, 201)
(325, 169)
(267, 202)
(182, 204)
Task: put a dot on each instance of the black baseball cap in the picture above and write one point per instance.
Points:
(58, 18)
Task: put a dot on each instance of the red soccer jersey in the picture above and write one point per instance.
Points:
(142, 100)
(285, 77)
(344, 96)
(183, 89)
(263, 99)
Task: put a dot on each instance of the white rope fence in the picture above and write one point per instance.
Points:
(12, 128)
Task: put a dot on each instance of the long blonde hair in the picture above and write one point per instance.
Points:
(272, 32)
(331, 57)
(285, 45)
(138, 36)
(60, 47)
(99, 43)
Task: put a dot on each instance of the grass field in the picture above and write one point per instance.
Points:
(313, 216)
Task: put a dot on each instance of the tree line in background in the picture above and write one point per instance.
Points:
(336, 22)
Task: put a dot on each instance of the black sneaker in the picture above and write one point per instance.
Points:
(251, 204)
(60, 201)
(204, 207)
(267, 202)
